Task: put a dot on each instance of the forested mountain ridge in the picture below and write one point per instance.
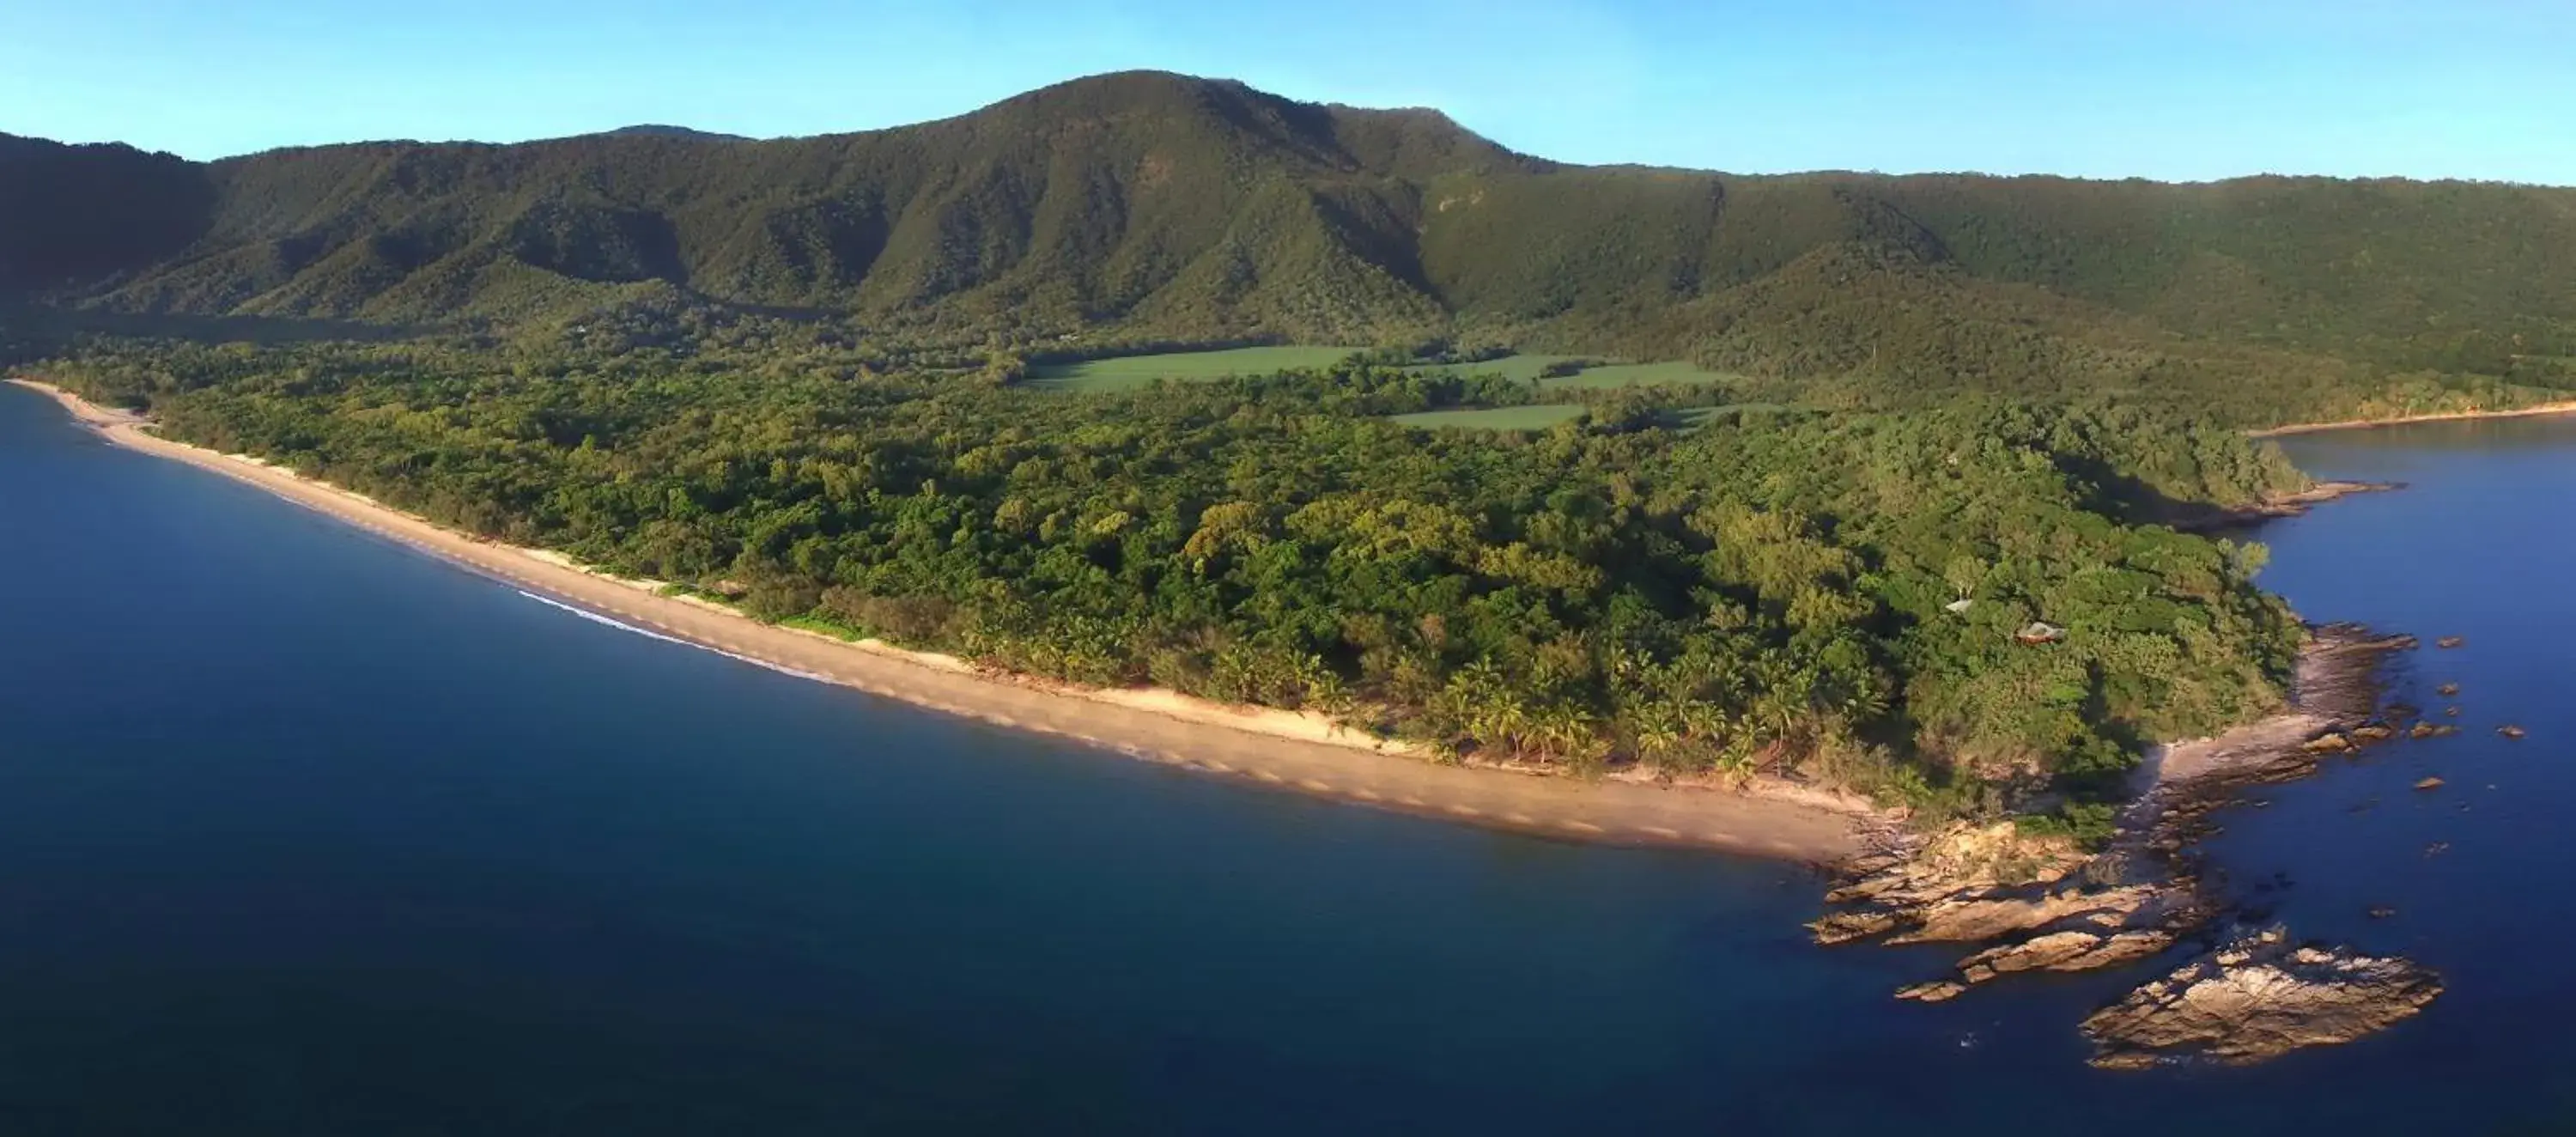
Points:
(1147, 206)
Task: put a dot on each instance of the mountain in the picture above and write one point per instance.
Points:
(657, 130)
(1157, 206)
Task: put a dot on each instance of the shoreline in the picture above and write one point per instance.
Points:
(2218, 519)
(1289, 750)
(2543, 410)
(2336, 687)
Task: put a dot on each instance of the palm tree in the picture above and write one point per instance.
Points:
(1656, 730)
(1567, 730)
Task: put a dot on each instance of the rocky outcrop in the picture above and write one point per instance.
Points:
(1937, 991)
(2258, 997)
(2074, 949)
(1982, 919)
(2335, 710)
(2036, 903)
(2041, 904)
(1974, 885)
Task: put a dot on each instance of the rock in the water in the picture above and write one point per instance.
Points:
(2451, 642)
(2257, 998)
(2073, 950)
(2381, 911)
(2429, 784)
(2447, 690)
(2372, 733)
(1937, 991)
(2510, 731)
(1976, 918)
(1844, 927)
(2329, 743)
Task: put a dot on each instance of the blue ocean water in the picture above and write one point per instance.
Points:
(304, 833)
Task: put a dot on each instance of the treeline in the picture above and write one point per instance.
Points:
(1829, 592)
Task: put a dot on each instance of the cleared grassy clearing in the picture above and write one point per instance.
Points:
(1123, 372)
(1496, 418)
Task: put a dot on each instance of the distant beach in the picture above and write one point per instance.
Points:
(2559, 408)
(1288, 750)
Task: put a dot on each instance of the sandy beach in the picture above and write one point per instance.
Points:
(1290, 751)
(2455, 416)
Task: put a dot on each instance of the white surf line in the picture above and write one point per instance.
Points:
(649, 633)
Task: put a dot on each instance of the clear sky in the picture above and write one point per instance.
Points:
(2174, 89)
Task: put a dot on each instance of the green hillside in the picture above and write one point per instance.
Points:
(1149, 208)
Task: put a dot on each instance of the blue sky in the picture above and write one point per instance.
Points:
(2174, 89)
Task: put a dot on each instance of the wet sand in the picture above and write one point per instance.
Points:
(1296, 752)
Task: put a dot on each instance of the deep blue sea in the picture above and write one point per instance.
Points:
(302, 832)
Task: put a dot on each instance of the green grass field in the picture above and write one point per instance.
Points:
(1538, 417)
(1123, 372)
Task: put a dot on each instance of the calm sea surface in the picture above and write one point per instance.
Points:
(303, 833)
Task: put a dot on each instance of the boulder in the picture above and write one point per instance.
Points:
(2257, 998)
(2429, 783)
(2451, 642)
(2510, 731)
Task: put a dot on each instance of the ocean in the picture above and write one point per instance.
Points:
(303, 832)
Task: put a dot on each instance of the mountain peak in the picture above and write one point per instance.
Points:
(658, 130)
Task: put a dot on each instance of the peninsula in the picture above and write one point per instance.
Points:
(1171, 398)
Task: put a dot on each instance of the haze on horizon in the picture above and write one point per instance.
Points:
(2180, 90)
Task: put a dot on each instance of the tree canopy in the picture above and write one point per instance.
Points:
(1772, 589)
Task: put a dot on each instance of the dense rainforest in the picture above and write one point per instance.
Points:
(795, 374)
(1777, 589)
